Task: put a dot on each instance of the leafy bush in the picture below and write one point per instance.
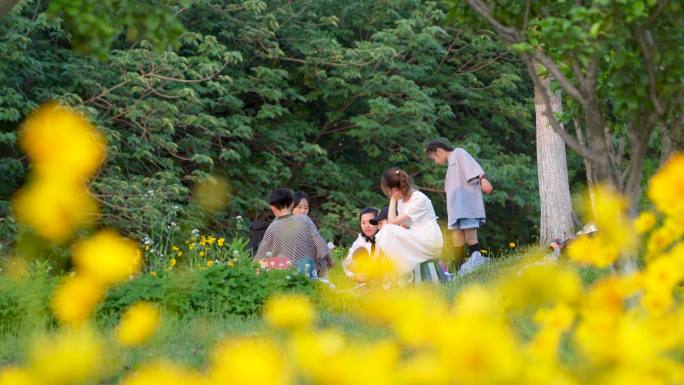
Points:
(239, 289)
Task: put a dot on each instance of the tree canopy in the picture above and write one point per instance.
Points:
(318, 96)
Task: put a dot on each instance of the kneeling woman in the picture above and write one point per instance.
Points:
(412, 235)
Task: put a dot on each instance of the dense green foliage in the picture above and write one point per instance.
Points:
(222, 290)
(620, 65)
(319, 96)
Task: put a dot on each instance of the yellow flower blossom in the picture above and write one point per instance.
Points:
(60, 141)
(138, 324)
(201, 253)
(593, 251)
(511, 245)
(54, 209)
(203, 240)
(107, 257)
(172, 262)
(68, 357)
(666, 187)
(174, 248)
(163, 373)
(220, 242)
(644, 222)
(210, 263)
(75, 298)
(153, 273)
(212, 193)
(211, 240)
(249, 361)
(11, 375)
(291, 311)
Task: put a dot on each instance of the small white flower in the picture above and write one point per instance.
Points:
(236, 253)
(239, 217)
(195, 232)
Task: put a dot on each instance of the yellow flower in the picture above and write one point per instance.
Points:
(69, 357)
(174, 248)
(60, 141)
(191, 246)
(201, 253)
(511, 245)
(483, 251)
(249, 361)
(75, 298)
(16, 376)
(203, 240)
(644, 222)
(180, 253)
(593, 251)
(211, 240)
(291, 311)
(539, 284)
(153, 273)
(210, 263)
(106, 257)
(53, 208)
(212, 193)
(165, 373)
(666, 187)
(220, 242)
(172, 262)
(138, 324)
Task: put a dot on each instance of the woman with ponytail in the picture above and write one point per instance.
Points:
(412, 235)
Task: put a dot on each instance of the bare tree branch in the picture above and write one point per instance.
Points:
(647, 59)
(512, 36)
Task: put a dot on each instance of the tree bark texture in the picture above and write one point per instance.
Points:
(554, 191)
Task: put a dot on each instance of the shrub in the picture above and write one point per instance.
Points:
(238, 289)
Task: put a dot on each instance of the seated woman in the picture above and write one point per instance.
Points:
(364, 245)
(412, 235)
(293, 236)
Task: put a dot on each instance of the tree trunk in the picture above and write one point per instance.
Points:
(6, 6)
(554, 191)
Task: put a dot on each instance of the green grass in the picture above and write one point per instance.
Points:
(188, 338)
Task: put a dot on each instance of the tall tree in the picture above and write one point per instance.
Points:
(621, 62)
(552, 170)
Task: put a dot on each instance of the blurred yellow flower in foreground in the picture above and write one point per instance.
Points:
(61, 142)
(644, 222)
(511, 245)
(163, 373)
(16, 376)
(138, 324)
(249, 361)
(212, 193)
(53, 208)
(666, 187)
(65, 150)
(75, 298)
(107, 257)
(289, 311)
(69, 357)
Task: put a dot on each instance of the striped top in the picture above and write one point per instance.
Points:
(296, 237)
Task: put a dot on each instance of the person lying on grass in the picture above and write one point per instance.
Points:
(293, 236)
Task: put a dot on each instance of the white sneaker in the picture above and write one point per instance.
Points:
(474, 261)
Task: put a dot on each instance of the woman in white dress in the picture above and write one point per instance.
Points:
(364, 245)
(412, 235)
